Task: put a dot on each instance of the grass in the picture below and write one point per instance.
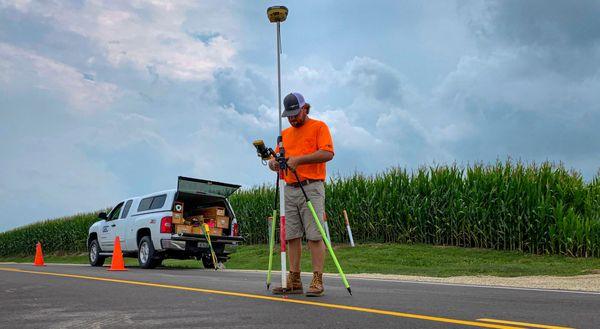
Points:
(425, 260)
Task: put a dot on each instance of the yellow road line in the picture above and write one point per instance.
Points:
(276, 299)
(525, 324)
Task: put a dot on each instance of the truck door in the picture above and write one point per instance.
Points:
(121, 225)
(107, 235)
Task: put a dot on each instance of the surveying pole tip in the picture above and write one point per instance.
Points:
(349, 290)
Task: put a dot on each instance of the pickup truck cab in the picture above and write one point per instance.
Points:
(144, 225)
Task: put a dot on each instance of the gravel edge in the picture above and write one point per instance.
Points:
(589, 282)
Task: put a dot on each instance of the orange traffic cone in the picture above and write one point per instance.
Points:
(117, 263)
(39, 256)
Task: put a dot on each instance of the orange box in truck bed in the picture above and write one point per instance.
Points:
(222, 222)
(213, 212)
(197, 218)
(178, 218)
(197, 230)
(179, 228)
(212, 230)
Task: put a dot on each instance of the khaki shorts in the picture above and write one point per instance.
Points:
(298, 218)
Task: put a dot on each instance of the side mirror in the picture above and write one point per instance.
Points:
(102, 215)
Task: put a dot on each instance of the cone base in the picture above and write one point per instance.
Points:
(39, 265)
(117, 269)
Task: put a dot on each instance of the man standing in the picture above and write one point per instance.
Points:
(308, 145)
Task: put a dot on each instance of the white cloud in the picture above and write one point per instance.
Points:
(348, 135)
(142, 34)
(21, 5)
(56, 77)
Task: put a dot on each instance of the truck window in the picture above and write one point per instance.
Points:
(145, 204)
(114, 214)
(158, 201)
(126, 208)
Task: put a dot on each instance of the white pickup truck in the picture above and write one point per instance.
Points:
(145, 229)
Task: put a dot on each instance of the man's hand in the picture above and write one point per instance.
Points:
(273, 165)
(293, 162)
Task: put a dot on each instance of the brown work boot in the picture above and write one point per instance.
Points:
(294, 285)
(316, 288)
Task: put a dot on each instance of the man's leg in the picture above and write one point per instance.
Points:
(293, 230)
(295, 253)
(317, 254)
(316, 193)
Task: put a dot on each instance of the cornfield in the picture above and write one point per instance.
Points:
(63, 235)
(541, 209)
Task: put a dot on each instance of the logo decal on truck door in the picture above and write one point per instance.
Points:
(104, 229)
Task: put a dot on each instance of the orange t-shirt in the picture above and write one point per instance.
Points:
(313, 135)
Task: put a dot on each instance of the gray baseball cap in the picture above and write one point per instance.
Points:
(292, 104)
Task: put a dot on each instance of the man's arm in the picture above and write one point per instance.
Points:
(318, 156)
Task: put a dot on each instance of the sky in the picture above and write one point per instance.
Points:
(104, 100)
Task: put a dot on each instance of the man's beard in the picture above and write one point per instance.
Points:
(298, 122)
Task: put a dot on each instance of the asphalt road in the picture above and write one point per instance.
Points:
(71, 296)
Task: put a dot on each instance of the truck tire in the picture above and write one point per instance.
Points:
(208, 262)
(94, 254)
(147, 256)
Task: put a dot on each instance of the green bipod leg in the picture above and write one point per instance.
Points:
(328, 244)
(206, 230)
(271, 247)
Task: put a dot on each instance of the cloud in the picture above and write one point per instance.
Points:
(537, 24)
(245, 90)
(49, 75)
(348, 135)
(48, 177)
(372, 113)
(528, 90)
(563, 38)
(185, 87)
(374, 79)
(124, 131)
(141, 34)
(364, 87)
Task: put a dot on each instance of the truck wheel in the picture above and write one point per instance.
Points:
(147, 256)
(208, 262)
(94, 254)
